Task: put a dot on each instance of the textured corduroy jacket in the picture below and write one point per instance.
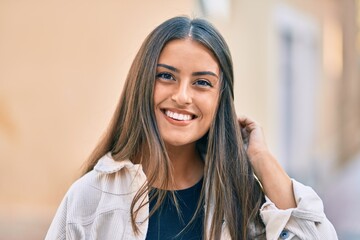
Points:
(97, 206)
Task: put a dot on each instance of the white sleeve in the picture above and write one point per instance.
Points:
(57, 228)
(306, 221)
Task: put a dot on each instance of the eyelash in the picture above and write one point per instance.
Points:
(203, 83)
(168, 76)
(165, 75)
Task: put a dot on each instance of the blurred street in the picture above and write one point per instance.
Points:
(342, 200)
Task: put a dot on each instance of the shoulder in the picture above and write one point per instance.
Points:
(100, 198)
(109, 182)
(111, 177)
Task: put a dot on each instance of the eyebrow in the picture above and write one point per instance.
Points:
(174, 69)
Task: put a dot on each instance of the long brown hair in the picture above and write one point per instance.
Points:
(229, 182)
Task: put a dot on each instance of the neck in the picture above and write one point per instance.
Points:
(187, 166)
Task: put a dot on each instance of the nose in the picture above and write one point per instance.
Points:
(182, 94)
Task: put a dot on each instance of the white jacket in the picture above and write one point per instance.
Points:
(97, 206)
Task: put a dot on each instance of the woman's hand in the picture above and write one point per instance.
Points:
(254, 138)
(276, 183)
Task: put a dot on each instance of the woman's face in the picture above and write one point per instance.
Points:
(186, 91)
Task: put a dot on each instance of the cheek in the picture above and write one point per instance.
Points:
(210, 103)
(210, 109)
(158, 93)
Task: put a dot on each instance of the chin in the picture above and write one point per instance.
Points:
(178, 143)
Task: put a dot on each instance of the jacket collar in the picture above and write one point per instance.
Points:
(108, 165)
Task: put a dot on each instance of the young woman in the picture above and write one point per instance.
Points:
(177, 163)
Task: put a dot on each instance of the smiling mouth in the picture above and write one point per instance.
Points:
(179, 116)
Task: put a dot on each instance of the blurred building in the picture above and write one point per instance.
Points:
(62, 66)
(297, 68)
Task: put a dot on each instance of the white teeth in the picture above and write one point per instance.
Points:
(178, 116)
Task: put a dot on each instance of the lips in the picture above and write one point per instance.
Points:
(178, 116)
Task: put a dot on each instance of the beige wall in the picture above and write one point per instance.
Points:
(62, 66)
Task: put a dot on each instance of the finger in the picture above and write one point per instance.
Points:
(247, 123)
(246, 119)
(243, 120)
(244, 134)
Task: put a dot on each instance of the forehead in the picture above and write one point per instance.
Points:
(188, 52)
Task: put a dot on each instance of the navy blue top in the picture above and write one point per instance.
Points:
(166, 223)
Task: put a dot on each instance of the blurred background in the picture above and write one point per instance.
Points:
(63, 65)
